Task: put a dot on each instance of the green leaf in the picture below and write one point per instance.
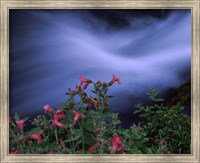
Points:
(66, 122)
(16, 116)
(159, 100)
(153, 94)
(146, 139)
(88, 139)
(26, 118)
(135, 151)
(149, 151)
(138, 111)
(108, 97)
(126, 133)
(78, 134)
(88, 125)
(152, 97)
(127, 148)
(139, 107)
(34, 130)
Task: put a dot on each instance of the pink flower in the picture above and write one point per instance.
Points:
(121, 148)
(114, 79)
(15, 152)
(56, 123)
(59, 114)
(77, 116)
(47, 108)
(20, 123)
(116, 143)
(37, 137)
(92, 148)
(84, 80)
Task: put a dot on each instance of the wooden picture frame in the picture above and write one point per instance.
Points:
(194, 5)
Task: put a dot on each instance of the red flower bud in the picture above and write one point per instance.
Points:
(92, 148)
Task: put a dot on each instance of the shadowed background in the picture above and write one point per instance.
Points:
(50, 49)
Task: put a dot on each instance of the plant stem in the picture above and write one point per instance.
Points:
(13, 134)
(83, 141)
(73, 146)
(56, 134)
(100, 109)
(72, 133)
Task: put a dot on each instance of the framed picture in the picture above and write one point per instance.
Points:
(100, 81)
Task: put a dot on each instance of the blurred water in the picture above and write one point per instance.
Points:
(50, 49)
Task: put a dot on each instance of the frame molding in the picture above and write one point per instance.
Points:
(5, 5)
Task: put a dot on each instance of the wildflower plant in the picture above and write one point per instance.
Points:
(88, 126)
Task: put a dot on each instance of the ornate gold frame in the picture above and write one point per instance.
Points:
(194, 5)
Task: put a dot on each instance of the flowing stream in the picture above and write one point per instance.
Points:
(49, 50)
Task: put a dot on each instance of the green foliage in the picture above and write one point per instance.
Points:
(167, 127)
(153, 95)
